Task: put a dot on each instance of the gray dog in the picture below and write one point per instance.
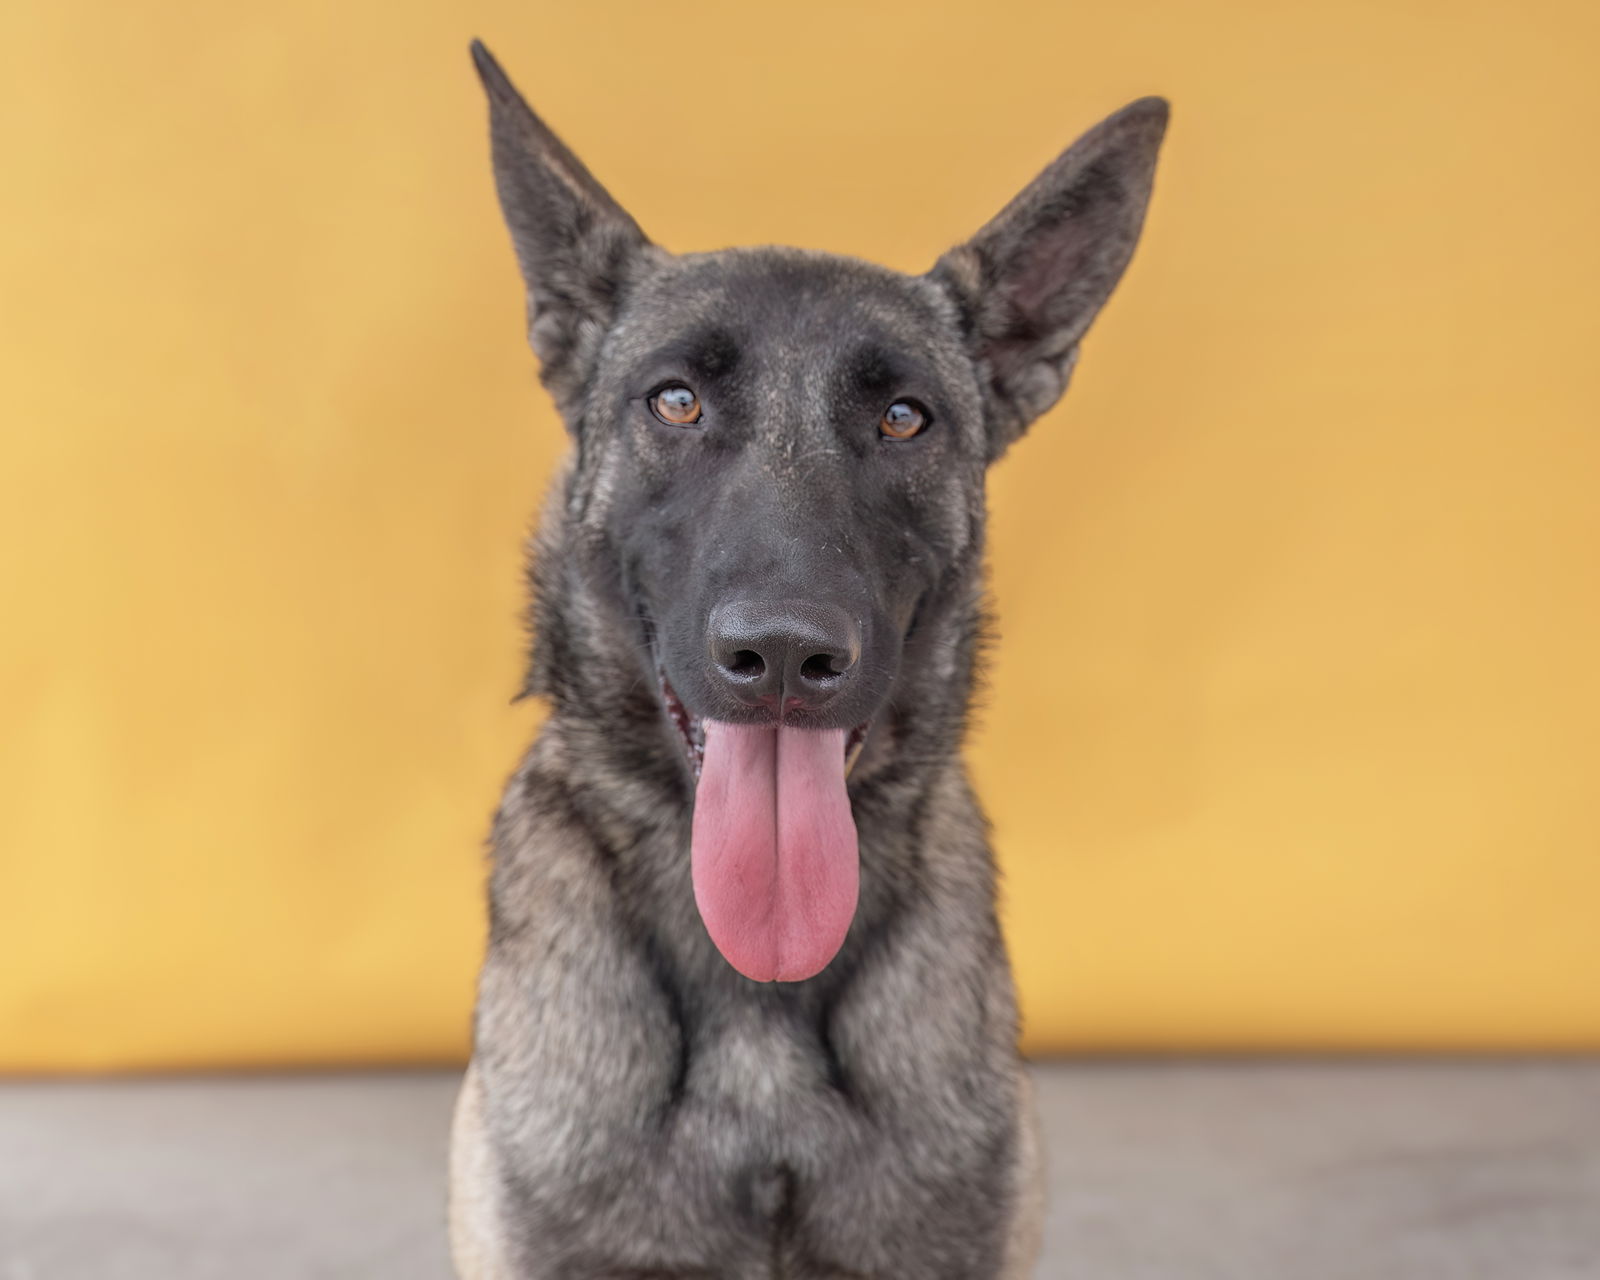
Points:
(746, 1010)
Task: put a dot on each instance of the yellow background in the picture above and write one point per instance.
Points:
(1292, 737)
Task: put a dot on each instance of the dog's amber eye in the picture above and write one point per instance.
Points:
(676, 405)
(902, 420)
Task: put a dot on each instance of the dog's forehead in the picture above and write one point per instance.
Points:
(799, 308)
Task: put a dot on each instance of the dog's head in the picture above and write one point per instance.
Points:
(779, 481)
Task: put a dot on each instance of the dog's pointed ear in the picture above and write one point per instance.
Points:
(1030, 283)
(577, 247)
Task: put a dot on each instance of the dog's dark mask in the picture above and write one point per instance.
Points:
(776, 508)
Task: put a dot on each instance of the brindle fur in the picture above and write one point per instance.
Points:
(635, 1107)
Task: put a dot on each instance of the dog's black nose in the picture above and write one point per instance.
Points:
(788, 654)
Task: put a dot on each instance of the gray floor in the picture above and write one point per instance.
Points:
(1175, 1171)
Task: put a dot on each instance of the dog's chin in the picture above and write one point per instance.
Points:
(689, 729)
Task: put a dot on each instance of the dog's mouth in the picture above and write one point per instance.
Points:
(692, 734)
(691, 729)
(773, 850)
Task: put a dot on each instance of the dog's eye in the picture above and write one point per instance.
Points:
(902, 420)
(676, 405)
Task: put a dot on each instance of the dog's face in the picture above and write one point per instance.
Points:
(793, 453)
(779, 480)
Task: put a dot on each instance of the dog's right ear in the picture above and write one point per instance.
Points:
(578, 248)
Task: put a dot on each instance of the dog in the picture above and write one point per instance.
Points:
(746, 1010)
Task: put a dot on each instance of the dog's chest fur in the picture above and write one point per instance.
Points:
(652, 1112)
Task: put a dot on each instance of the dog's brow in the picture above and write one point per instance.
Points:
(873, 370)
(704, 355)
(708, 354)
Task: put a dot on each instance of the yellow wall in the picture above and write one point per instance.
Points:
(1292, 739)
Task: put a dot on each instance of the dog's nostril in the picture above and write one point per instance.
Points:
(824, 666)
(747, 663)
(782, 654)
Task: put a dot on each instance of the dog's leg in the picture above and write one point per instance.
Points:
(475, 1226)
(1027, 1226)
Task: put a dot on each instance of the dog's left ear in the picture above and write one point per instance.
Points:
(1033, 279)
(578, 248)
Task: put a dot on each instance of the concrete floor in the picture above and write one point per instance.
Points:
(1161, 1171)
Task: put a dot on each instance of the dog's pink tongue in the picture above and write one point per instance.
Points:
(774, 848)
